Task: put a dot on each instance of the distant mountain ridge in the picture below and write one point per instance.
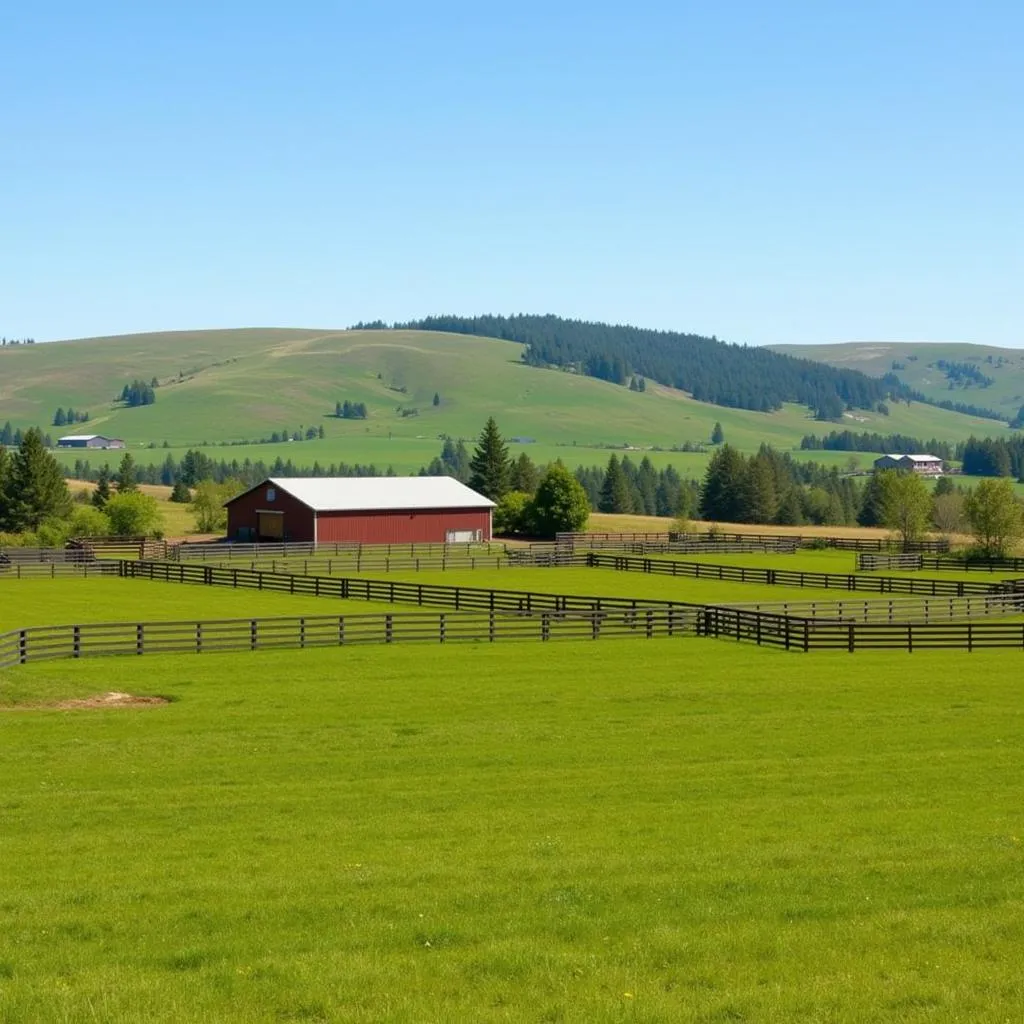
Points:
(712, 371)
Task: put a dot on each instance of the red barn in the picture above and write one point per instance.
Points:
(366, 510)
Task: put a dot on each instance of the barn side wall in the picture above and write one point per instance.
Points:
(411, 527)
(298, 519)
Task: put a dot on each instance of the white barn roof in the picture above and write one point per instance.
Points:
(377, 493)
(82, 437)
(922, 458)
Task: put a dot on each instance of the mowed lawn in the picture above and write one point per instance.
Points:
(46, 602)
(630, 830)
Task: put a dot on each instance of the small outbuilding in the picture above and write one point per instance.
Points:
(89, 441)
(364, 510)
(925, 465)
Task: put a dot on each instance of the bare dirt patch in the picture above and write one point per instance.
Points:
(99, 701)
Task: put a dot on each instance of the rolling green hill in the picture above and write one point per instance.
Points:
(236, 385)
(916, 364)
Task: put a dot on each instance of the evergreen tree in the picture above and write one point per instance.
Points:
(717, 434)
(647, 487)
(101, 495)
(59, 419)
(759, 497)
(524, 475)
(790, 512)
(871, 511)
(721, 496)
(615, 497)
(36, 489)
(437, 399)
(126, 475)
(489, 467)
(180, 494)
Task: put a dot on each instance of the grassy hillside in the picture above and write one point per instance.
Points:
(916, 366)
(226, 386)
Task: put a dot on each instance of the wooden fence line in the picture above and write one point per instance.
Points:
(298, 549)
(53, 570)
(892, 610)
(583, 540)
(803, 634)
(793, 578)
(83, 640)
(917, 562)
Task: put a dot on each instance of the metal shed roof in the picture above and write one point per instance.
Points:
(922, 458)
(378, 493)
(83, 437)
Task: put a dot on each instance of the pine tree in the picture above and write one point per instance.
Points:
(615, 493)
(180, 493)
(721, 497)
(437, 399)
(126, 475)
(524, 475)
(59, 419)
(717, 434)
(36, 489)
(101, 495)
(759, 496)
(489, 467)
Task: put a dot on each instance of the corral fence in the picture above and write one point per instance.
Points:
(920, 609)
(53, 570)
(515, 602)
(764, 541)
(229, 551)
(918, 562)
(803, 634)
(793, 578)
(43, 556)
(83, 640)
(373, 562)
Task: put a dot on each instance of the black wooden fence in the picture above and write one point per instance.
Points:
(793, 578)
(586, 541)
(93, 639)
(801, 634)
(917, 562)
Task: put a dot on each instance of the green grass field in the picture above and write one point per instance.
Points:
(651, 831)
(45, 602)
(247, 384)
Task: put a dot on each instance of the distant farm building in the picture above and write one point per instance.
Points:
(925, 465)
(365, 510)
(89, 441)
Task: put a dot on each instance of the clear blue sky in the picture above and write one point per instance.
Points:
(790, 172)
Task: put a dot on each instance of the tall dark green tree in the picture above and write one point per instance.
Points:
(489, 467)
(717, 434)
(560, 504)
(524, 475)
(615, 492)
(872, 512)
(759, 494)
(721, 497)
(35, 487)
(101, 495)
(126, 475)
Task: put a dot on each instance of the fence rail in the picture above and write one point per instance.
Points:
(922, 609)
(52, 570)
(794, 578)
(459, 598)
(230, 551)
(84, 640)
(918, 562)
(587, 541)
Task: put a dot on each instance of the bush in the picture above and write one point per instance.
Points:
(133, 514)
(87, 521)
(561, 503)
(513, 514)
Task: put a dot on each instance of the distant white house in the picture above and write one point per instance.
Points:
(925, 465)
(89, 441)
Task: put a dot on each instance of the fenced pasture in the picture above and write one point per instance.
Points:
(918, 563)
(674, 832)
(104, 639)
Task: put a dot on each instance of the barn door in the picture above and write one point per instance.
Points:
(270, 526)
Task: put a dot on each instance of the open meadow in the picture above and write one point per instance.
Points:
(656, 831)
(660, 830)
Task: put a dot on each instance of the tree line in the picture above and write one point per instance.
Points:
(63, 418)
(711, 370)
(886, 444)
(138, 392)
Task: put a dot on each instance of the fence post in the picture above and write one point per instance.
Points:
(490, 621)
(595, 623)
(650, 624)
(807, 635)
(341, 630)
(851, 640)
(23, 646)
(388, 623)
(140, 642)
(199, 638)
(910, 638)
(545, 625)
(76, 642)
(253, 628)
(440, 628)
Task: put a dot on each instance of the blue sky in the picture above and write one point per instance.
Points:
(795, 172)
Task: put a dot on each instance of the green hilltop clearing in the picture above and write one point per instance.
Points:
(235, 385)
(917, 365)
